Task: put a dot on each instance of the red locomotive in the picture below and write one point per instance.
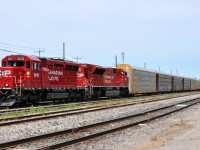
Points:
(102, 82)
(29, 79)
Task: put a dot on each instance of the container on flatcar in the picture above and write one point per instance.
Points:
(140, 80)
(177, 84)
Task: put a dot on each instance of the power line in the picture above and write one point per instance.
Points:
(17, 46)
(37, 49)
(26, 47)
(9, 51)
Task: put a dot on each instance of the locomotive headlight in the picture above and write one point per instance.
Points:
(6, 84)
(2, 72)
(28, 73)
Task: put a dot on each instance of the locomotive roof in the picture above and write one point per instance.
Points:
(59, 61)
(94, 65)
(34, 58)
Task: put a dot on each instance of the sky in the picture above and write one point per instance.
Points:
(163, 33)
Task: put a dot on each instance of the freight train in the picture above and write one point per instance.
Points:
(29, 79)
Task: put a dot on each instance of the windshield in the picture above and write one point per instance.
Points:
(15, 63)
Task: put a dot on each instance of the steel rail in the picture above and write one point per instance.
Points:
(92, 136)
(4, 111)
(59, 133)
(62, 113)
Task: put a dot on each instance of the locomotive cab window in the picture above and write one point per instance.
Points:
(36, 66)
(15, 63)
(75, 68)
(3, 64)
(69, 68)
(114, 71)
(28, 65)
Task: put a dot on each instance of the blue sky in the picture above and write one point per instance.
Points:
(163, 33)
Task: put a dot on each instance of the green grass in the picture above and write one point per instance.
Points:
(70, 106)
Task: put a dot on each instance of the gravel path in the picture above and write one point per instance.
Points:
(13, 132)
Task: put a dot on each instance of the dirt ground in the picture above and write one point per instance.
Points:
(183, 133)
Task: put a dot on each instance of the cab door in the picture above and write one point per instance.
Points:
(32, 76)
(36, 76)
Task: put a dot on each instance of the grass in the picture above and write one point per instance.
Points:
(70, 106)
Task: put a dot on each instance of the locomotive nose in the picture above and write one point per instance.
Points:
(5, 78)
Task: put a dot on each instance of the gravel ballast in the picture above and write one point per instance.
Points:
(179, 131)
(19, 131)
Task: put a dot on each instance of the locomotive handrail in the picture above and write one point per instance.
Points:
(16, 83)
(20, 85)
(91, 87)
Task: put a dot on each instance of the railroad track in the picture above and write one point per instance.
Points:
(61, 139)
(63, 113)
(4, 111)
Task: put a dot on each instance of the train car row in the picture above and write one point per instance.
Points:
(142, 81)
(29, 79)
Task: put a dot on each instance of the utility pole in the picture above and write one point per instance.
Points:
(171, 71)
(39, 51)
(116, 60)
(159, 68)
(63, 51)
(77, 58)
(176, 71)
(145, 65)
(123, 55)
